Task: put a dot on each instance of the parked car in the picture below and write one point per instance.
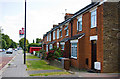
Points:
(15, 49)
(9, 51)
(1, 50)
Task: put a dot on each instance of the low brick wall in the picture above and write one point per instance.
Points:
(56, 63)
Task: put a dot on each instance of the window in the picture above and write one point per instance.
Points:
(57, 33)
(46, 48)
(57, 45)
(50, 37)
(79, 24)
(66, 31)
(93, 19)
(47, 37)
(50, 46)
(73, 50)
(61, 32)
(54, 35)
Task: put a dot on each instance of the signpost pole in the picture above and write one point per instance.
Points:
(25, 37)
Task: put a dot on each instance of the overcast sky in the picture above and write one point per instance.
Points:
(41, 15)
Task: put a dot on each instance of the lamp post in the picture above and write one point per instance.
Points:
(25, 37)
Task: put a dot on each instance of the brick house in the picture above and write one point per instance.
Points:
(88, 36)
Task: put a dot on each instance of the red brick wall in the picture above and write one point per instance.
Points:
(84, 44)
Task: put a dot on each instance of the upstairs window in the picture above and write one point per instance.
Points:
(47, 37)
(57, 33)
(79, 24)
(66, 31)
(50, 37)
(61, 32)
(54, 35)
(93, 19)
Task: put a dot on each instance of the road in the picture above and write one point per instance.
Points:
(5, 58)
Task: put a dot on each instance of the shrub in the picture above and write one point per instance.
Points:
(54, 53)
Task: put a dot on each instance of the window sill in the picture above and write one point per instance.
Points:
(66, 35)
(74, 57)
(93, 27)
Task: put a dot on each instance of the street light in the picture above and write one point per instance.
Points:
(25, 37)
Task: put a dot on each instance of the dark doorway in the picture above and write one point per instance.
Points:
(93, 53)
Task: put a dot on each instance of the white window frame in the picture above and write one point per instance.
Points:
(94, 37)
(50, 46)
(57, 45)
(60, 32)
(66, 31)
(63, 44)
(53, 35)
(50, 37)
(57, 33)
(79, 27)
(46, 48)
(47, 37)
(72, 42)
(94, 18)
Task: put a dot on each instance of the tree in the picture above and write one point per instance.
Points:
(38, 40)
(13, 44)
(33, 41)
(21, 43)
(3, 44)
(7, 39)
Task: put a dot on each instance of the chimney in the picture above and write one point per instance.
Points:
(54, 26)
(68, 15)
(59, 23)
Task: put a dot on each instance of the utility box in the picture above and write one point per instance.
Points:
(66, 63)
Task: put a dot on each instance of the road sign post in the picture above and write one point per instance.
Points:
(25, 37)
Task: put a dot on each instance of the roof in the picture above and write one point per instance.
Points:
(77, 36)
(51, 42)
(65, 39)
(88, 7)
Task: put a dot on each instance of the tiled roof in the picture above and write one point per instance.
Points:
(77, 36)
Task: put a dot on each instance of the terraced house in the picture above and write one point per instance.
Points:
(89, 37)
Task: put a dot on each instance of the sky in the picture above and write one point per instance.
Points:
(41, 15)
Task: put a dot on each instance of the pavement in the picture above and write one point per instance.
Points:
(16, 68)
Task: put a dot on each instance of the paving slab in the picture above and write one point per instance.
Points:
(16, 67)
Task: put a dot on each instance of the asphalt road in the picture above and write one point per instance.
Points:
(5, 58)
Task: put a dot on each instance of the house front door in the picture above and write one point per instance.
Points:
(93, 53)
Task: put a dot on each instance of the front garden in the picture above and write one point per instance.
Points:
(41, 61)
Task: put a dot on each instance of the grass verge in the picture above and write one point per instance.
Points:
(40, 65)
(32, 57)
(51, 73)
